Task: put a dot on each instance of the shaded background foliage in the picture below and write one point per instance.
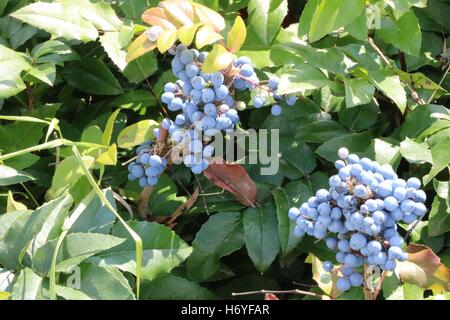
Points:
(390, 105)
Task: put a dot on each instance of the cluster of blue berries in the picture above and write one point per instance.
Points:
(358, 216)
(260, 99)
(147, 167)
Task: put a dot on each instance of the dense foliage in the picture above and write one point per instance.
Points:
(94, 96)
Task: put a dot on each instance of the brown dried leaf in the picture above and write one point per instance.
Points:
(185, 206)
(233, 178)
(424, 269)
(157, 17)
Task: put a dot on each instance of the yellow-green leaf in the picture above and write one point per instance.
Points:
(4, 295)
(324, 279)
(109, 157)
(175, 14)
(186, 33)
(166, 39)
(136, 134)
(13, 205)
(218, 59)
(208, 17)
(237, 35)
(206, 35)
(106, 137)
(140, 46)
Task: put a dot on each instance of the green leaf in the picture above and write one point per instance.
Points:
(58, 19)
(141, 68)
(261, 235)
(28, 286)
(440, 154)
(136, 133)
(115, 43)
(333, 14)
(291, 195)
(53, 51)
(356, 143)
(391, 86)
(220, 236)
(218, 59)
(164, 200)
(45, 72)
(415, 152)
(264, 20)
(289, 151)
(321, 131)
(359, 118)
(100, 14)
(12, 64)
(439, 220)
(75, 248)
(438, 9)
(384, 151)
(9, 176)
(106, 137)
(357, 92)
(170, 287)
(300, 79)
(163, 250)
(306, 17)
(424, 118)
(44, 223)
(100, 283)
(95, 216)
(236, 36)
(92, 76)
(403, 33)
(67, 173)
(358, 28)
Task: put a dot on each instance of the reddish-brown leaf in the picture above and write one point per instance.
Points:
(157, 17)
(424, 268)
(270, 296)
(233, 178)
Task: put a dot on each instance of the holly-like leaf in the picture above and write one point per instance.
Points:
(235, 179)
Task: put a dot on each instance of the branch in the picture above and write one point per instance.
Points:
(414, 93)
(294, 291)
(143, 202)
(440, 82)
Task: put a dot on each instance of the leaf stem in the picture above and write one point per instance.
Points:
(263, 291)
